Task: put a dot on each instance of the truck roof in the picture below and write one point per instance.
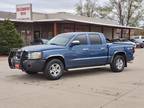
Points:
(75, 33)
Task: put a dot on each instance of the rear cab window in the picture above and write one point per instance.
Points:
(94, 39)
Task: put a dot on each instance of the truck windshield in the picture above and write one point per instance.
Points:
(61, 39)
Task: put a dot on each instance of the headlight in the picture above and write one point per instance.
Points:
(35, 55)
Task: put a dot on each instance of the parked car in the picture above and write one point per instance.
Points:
(124, 40)
(139, 39)
(39, 42)
(71, 51)
(138, 43)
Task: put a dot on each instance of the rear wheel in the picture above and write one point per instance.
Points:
(118, 63)
(54, 69)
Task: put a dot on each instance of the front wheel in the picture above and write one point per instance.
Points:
(118, 64)
(54, 69)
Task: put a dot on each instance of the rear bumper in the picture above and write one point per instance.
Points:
(130, 59)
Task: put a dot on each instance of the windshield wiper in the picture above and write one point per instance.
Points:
(53, 44)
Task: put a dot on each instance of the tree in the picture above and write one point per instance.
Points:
(86, 8)
(125, 12)
(79, 8)
(9, 37)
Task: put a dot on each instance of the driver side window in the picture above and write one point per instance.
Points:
(82, 39)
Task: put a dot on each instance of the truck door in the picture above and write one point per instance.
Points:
(97, 50)
(78, 54)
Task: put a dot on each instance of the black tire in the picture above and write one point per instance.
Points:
(115, 67)
(142, 46)
(31, 73)
(51, 73)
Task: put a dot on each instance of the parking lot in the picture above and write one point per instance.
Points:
(96, 88)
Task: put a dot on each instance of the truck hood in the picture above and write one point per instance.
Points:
(41, 47)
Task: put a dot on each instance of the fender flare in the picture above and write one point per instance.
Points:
(58, 56)
(119, 53)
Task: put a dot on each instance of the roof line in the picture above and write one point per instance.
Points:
(74, 20)
(110, 25)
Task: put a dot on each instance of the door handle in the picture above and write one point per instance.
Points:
(102, 48)
(85, 49)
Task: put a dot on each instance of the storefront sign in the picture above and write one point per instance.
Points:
(24, 11)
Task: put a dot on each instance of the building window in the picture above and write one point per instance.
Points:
(82, 28)
(67, 28)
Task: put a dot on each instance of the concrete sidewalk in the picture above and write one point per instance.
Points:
(3, 58)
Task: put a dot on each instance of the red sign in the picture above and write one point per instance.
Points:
(24, 11)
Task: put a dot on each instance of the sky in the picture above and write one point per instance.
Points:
(48, 6)
(44, 6)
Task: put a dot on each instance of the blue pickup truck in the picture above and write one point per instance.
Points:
(71, 51)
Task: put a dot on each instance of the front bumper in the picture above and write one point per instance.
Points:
(33, 65)
(28, 65)
(24, 64)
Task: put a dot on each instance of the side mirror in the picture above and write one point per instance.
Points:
(75, 42)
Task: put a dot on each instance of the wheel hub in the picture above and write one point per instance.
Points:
(119, 64)
(55, 69)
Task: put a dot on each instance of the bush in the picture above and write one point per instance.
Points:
(9, 37)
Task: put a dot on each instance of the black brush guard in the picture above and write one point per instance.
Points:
(11, 58)
(16, 57)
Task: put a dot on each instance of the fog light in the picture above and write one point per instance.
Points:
(29, 65)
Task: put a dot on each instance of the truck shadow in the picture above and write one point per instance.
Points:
(88, 72)
(70, 74)
(26, 77)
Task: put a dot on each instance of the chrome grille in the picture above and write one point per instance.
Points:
(22, 55)
(19, 54)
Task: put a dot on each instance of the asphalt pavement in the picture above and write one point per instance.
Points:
(95, 88)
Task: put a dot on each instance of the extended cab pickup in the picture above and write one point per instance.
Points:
(70, 51)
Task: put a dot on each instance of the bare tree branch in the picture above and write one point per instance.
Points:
(125, 12)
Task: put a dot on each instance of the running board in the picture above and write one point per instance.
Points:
(86, 68)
